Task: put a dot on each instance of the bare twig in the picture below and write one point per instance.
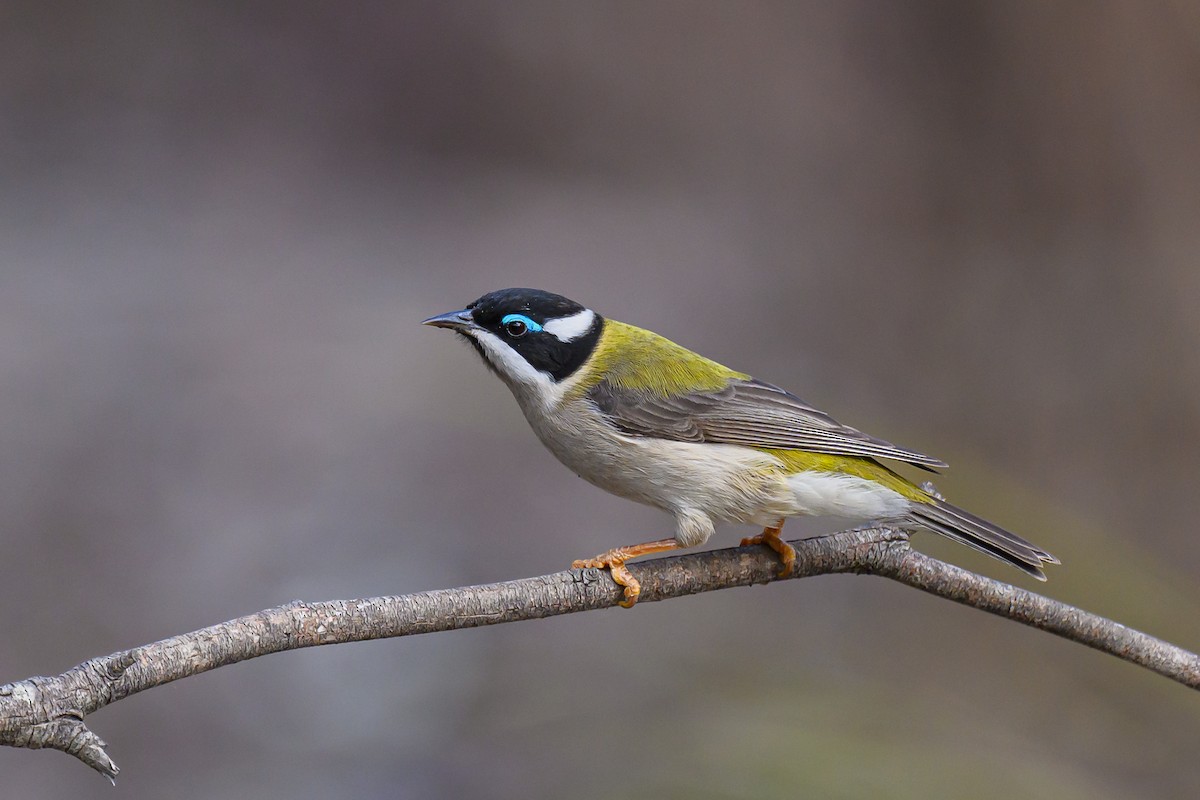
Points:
(48, 712)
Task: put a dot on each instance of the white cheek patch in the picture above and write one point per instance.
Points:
(510, 364)
(572, 327)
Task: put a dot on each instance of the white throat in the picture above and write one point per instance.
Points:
(531, 386)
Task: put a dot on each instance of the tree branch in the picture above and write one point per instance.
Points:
(48, 712)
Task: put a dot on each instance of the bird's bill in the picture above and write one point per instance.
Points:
(454, 320)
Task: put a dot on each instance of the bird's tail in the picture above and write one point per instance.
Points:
(962, 526)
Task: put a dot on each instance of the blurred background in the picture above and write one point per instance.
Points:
(967, 227)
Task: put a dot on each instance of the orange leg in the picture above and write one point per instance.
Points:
(614, 561)
(770, 537)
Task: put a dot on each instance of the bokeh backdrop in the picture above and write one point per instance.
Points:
(967, 227)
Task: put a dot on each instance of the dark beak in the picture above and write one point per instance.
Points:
(454, 320)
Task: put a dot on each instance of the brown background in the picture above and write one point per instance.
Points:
(967, 227)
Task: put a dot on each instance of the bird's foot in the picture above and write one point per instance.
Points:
(614, 561)
(770, 537)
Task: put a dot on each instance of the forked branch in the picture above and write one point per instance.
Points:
(49, 712)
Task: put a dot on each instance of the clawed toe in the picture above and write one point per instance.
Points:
(614, 561)
(615, 564)
(770, 537)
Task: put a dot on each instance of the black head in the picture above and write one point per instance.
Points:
(548, 332)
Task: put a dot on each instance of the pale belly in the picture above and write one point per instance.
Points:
(704, 483)
(726, 482)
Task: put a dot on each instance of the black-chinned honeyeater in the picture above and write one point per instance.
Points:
(646, 419)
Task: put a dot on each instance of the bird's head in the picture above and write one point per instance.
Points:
(532, 339)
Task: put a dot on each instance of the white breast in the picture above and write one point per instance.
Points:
(701, 483)
(724, 482)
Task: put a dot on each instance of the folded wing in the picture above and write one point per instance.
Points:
(746, 412)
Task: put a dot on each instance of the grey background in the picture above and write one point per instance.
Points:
(967, 227)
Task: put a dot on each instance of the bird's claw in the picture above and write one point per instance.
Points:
(787, 553)
(620, 574)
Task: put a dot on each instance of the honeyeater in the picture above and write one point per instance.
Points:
(649, 420)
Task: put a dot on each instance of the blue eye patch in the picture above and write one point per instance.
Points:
(530, 325)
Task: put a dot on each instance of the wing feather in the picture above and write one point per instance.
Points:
(747, 412)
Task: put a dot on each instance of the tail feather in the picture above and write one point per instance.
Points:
(962, 526)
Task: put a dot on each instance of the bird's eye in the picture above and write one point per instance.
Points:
(517, 325)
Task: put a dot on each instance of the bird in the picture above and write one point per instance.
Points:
(651, 421)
